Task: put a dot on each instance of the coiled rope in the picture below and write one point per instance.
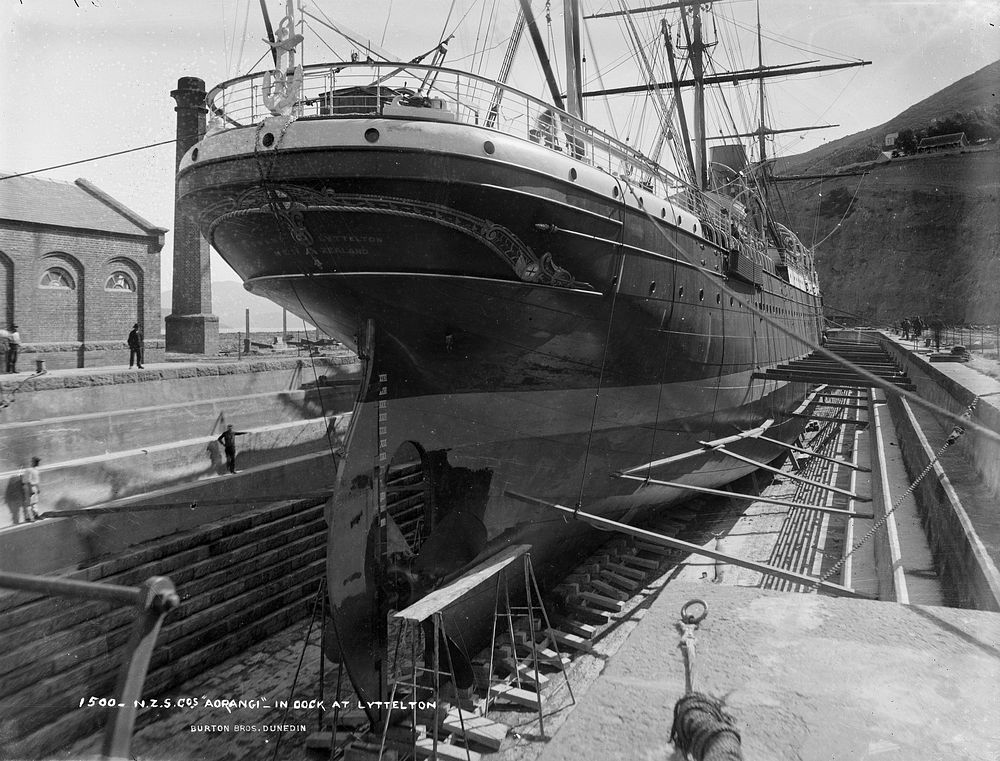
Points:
(702, 729)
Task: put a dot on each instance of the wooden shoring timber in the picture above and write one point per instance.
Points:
(752, 497)
(813, 453)
(827, 405)
(695, 549)
(706, 446)
(828, 419)
(839, 382)
(441, 598)
(793, 477)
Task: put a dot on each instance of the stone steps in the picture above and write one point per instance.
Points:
(239, 579)
(93, 480)
(108, 434)
(62, 438)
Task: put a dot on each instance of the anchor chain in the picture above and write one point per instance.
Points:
(956, 433)
(702, 730)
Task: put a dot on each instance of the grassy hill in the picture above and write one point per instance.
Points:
(918, 235)
(979, 89)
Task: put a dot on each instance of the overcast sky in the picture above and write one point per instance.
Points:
(82, 78)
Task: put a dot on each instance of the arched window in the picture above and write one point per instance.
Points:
(120, 281)
(57, 277)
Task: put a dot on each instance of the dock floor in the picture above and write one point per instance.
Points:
(806, 677)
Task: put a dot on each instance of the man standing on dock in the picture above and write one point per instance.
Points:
(30, 482)
(228, 441)
(135, 347)
(13, 348)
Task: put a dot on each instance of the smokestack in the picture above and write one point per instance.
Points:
(191, 327)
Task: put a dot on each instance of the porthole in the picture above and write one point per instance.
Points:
(718, 298)
(489, 147)
(680, 292)
(572, 173)
(372, 135)
(640, 202)
(194, 155)
(679, 221)
(701, 294)
(652, 287)
(732, 301)
(614, 191)
(267, 140)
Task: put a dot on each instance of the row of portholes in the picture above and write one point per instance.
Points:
(732, 301)
(60, 279)
(372, 135)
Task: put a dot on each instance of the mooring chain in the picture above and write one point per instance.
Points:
(702, 729)
(955, 435)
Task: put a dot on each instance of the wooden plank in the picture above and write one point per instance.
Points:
(445, 752)
(622, 582)
(606, 590)
(580, 630)
(449, 594)
(570, 640)
(476, 728)
(525, 698)
(635, 561)
(601, 602)
(623, 570)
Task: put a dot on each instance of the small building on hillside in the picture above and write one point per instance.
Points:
(955, 140)
(77, 269)
(890, 140)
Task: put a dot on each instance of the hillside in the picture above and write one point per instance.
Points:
(921, 236)
(977, 90)
(230, 302)
(916, 235)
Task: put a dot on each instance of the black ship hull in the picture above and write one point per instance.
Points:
(532, 327)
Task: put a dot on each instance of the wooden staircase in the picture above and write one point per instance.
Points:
(818, 368)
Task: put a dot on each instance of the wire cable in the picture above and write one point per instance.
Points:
(84, 161)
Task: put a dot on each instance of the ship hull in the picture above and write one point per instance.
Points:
(531, 327)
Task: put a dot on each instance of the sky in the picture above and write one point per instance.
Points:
(85, 78)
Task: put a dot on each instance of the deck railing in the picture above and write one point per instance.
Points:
(411, 90)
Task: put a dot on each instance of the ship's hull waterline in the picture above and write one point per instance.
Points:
(531, 326)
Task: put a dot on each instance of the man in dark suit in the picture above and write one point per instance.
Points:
(135, 347)
(228, 441)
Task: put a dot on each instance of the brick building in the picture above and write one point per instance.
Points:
(77, 269)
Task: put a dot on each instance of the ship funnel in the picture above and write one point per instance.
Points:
(726, 163)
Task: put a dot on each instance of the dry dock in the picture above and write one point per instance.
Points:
(903, 667)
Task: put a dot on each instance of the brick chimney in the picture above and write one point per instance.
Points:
(191, 327)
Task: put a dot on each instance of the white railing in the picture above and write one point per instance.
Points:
(367, 88)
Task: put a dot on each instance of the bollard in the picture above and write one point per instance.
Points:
(39, 366)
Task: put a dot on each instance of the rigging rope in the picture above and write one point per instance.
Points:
(846, 211)
(84, 161)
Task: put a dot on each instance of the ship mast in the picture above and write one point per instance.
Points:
(695, 51)
(760, 89)
(574, 73)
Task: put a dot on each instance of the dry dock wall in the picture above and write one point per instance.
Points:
(113, 434)
(965, 561)
(942, 389)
